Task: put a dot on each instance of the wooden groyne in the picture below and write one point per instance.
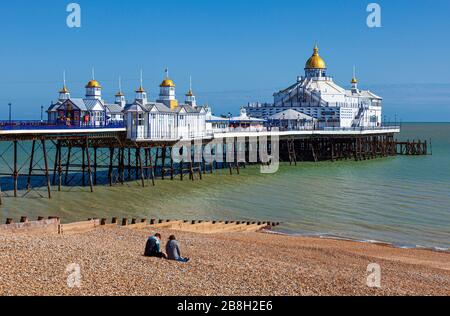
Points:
(53, 225)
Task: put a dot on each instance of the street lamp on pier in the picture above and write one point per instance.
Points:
(10, 117)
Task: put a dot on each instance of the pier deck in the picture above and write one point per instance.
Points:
(60, 156)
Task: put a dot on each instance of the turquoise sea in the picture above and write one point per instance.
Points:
(399, 200)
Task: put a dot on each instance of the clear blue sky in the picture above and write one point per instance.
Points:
(236, 51)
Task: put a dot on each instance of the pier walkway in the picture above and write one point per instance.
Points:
(40, 155)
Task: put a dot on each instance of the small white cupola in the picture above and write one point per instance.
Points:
(93, 88)
(167, 92)
(141, 94)
(120, 97)
(190, 97)
(64, 93)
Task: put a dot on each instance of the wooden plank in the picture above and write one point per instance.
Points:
(79, 227)
(49, 226)
(137, 226)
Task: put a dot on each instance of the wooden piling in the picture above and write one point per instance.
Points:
(88, 156)
(30, 171)
(47, 173)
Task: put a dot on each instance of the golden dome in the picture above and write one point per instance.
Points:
(316, 62)
(354, 80)
(168, 83)
(140, 90)
(64, 90)
(120, 94)
(190, 93)
(93, 84)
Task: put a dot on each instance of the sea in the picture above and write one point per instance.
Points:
(403, 200)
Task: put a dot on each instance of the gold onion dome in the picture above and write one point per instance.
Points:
(93, 84)
(316, 62)
(354, 80)
(120, 94)
(168, 83)
(64, 90)
(190, 93)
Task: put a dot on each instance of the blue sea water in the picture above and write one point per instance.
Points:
(400, 200)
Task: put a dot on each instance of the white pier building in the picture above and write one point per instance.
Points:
(165, 118)
(317, 96)
(91, 110)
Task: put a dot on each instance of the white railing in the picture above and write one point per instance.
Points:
(211, 133)
(239, 130)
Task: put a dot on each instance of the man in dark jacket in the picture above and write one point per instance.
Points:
(173, 250)
(153, 247)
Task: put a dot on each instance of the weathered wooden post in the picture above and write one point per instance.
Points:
(88, 156)
(47, 173)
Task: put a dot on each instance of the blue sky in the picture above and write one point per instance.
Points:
(236, 51)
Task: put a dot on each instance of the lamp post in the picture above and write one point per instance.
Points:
(10, 117)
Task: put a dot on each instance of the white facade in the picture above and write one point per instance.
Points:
(164, 119)
(318, 96)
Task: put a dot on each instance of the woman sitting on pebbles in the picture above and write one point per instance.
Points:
(173, 250)
(153, 247)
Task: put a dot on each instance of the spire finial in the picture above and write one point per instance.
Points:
(120, 84)
(167, 72)
(316, 49)
(142, 78)
(93, 73)
(354, 80)
(64, 88)
(190, 92)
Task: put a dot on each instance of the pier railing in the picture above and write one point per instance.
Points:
(47, 125)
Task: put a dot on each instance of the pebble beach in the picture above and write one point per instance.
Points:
(111, 262)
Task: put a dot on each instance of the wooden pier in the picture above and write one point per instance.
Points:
(414, 148)
(57, 159)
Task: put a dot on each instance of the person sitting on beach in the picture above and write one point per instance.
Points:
(173, 250)
(153, 247)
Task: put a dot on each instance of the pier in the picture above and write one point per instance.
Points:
(53, 157)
